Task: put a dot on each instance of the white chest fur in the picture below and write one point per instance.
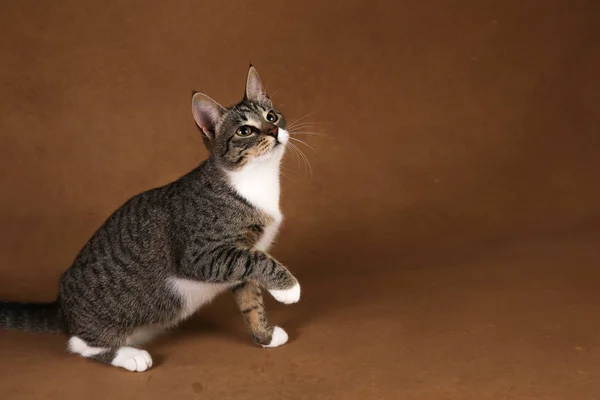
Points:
(195, 294)
(259, 184)
(267, 237)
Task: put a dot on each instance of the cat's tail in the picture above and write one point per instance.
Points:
(36, 317)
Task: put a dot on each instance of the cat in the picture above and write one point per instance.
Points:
(169, 250)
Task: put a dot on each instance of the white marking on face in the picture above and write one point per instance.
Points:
(283, 136)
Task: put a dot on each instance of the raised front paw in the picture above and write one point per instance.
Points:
(287, 296)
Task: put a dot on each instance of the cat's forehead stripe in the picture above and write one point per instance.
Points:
(254, 122)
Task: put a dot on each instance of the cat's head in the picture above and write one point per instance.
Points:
(251, 131)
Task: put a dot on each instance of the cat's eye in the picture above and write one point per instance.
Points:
(272, 117)
(244, 131)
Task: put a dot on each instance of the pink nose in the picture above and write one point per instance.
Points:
(274, 132)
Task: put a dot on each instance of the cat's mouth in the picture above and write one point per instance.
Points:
(281, 139)
(276, 147)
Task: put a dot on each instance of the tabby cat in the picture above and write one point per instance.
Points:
(169, 250)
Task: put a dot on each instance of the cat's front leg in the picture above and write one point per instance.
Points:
(248, 297)
(224, 264)
(277, 279)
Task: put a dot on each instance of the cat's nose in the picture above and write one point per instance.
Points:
(274, 132)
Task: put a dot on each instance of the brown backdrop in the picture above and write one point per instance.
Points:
(446, 240)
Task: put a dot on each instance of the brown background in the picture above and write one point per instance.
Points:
(447, 241)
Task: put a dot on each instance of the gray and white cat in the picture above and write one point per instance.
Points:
(169, 250)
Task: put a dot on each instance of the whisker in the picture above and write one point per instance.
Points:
(272, 94)
(285, 175)
(306, 123)
(295, 150)
(323, 135)
(300, 119)
(310, 170)
(304, 143)
(309, 133)
(295, 157)
(306, 161)
(301, 124)
(295, 154)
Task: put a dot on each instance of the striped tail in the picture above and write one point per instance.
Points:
(36, 317)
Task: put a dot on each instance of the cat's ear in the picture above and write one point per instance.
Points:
(255, 91)
(207, 114)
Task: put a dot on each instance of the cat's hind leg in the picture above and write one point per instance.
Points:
(130, 358)
(144, 334)
(248, 297)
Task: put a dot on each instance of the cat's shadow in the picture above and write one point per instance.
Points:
(223, 319)
(334, 279)
(207, 323)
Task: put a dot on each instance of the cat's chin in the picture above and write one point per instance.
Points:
(278, 150)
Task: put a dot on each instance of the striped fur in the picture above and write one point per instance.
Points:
(169, 250)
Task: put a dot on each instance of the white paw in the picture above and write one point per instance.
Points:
(132, 359)
(278, 338)
(287, 296)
